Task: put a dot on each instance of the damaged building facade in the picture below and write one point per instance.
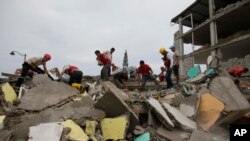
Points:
(220, 27)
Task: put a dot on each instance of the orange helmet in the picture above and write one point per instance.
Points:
(47, 57)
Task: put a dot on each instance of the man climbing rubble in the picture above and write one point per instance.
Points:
(109, 54)
(103, 60)
(120, 77)
(32, 64)
(145, 73)
(168, 63)
(75, 77)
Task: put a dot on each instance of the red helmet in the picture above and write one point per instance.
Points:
(47, 57)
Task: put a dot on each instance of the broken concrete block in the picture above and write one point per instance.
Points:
(176, 135)
(143, 137)
(5, 135)
(76, 132)
(138, 130)
(156, 106)
(198, 135)
(113, 105)
(2, 122)
(114, 128)
(189, 106)
(46, 94)
(46, 132)
(224, 89)
(90, 127)
(209, 111)
(9, 93)
(185, 122)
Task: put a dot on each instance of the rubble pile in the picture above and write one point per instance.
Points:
(52, 110)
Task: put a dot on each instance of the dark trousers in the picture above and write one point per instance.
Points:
(105, 72)
(25, 70)
(76, 77)
(168, 79)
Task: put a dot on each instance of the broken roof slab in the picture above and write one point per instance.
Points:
(46, 93)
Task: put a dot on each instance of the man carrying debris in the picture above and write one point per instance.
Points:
(237, 71)
(32, 64)
(168, 63)
(75, 77)
(109, 53)
(103, 60)
(120, 77)
(175, 63)
(145, 73)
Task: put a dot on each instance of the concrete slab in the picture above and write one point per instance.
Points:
(157, 108)
(47, 93)
(55, 115)
(226, 91)
(114, 128)
(113, 105)
(185, 123)
(189, 106)
(46, 132)
(5, 135)
(9, 93)
(198, 135)
(175, 135)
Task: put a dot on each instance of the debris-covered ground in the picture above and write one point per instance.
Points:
(200, 109)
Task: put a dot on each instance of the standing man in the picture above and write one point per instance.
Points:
(176, 56)
(109, 53)
(168, 63)
(145, 72)
(75, 79)
(32, 64)
(103, 60)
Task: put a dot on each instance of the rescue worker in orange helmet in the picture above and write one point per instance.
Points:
(32, 64)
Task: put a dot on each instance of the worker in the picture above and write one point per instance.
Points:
(168, 63)
(162, 75)
(103, 60)
(109, 53)
(32, 64)
(237, 71)
(120, 77)
(75, 77)
(176, 56)
(145, 73)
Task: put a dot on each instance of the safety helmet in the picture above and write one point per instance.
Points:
(162, 50)
(172, 47)
(47, 57)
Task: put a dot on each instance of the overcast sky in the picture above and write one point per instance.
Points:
(71, 30)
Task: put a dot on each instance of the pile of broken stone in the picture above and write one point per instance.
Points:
(52, 110)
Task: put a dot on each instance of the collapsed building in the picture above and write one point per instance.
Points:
(201, 109)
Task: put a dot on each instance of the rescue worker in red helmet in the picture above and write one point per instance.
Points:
(75, 79)
(32, 64)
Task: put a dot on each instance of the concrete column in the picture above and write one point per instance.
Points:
(181, 48)
(213, 32)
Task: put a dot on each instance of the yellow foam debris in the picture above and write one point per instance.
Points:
(9, 93)
(90, 127)
(209, 111)
(76, 132)
(1, 122)
(114, 128)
